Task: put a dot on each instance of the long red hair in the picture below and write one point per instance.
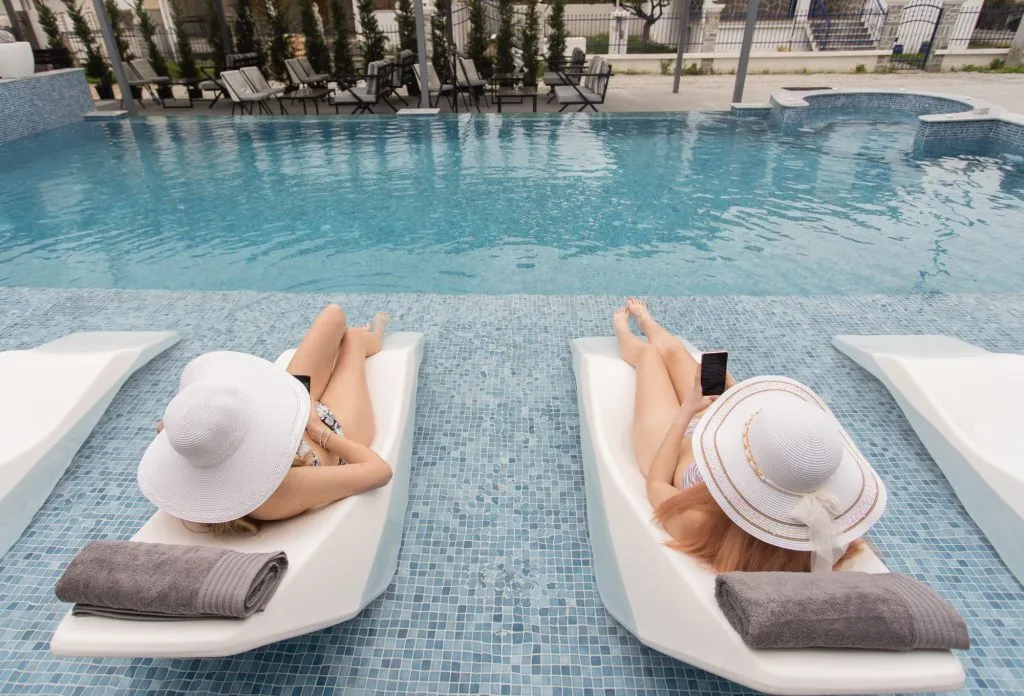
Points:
(719, 544)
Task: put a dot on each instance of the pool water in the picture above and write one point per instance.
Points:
(691, 204)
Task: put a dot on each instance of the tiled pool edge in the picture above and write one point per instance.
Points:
(495, 592)
(42, 101)
(946, 123)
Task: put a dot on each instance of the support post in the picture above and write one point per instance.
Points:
(889, 35)
(712, 16)
(421, 49)
(114, 56)
(225, 30)
(943, 34)
(11, 15)
(748, 40)
(684, 36)
(1015, 58)
(453, 52)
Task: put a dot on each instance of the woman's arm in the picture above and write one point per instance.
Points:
(666, 459)
(307, 487)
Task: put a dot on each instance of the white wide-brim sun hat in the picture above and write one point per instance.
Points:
(229, 438)
(767, 444)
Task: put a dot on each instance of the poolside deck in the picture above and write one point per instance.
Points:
(645, 93)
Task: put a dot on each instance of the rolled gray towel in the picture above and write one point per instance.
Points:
(135, 580)
(872, 611)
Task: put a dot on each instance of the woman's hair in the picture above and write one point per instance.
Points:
(243, 525)
(718, 543)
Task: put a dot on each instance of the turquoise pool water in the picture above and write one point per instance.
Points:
(674, 205)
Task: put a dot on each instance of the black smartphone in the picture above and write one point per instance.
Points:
(712, 372)
(306, 381)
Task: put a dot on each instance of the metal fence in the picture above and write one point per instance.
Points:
(993, 27)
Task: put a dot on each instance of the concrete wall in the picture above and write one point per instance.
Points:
(42, 102)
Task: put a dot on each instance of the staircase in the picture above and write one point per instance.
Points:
(839, 26)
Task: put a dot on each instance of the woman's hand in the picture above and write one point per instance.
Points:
(695, 401)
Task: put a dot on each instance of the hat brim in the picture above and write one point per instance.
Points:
(756, 506)
(277, 411)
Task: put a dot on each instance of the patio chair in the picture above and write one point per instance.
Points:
(242, 94)
(565, 75)
(468, 80)
(142, 75)
(259, 83)
(592, 88)
(403, 75)
(301, 73)
(375, 89)
(435, 90)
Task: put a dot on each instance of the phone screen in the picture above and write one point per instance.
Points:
(712, 372)
(306, 381)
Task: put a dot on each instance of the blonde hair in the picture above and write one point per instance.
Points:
(719, 544)
(243, 525)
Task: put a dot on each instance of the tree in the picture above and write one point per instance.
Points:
(406, 21)
(556, 37)
(342, 48)
(117, 25)
(374, 40)
(316, 47)
(506, 35)
(530, 44)
(186, 56)
(48, 21)
(648, 10)
(246, 40)
(280, 47)
(476, 44)
(215, 35)
(440, 52)
(148, 30)
(95, 66)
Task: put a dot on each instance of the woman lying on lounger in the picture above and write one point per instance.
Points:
(761, 478)
(243, 441)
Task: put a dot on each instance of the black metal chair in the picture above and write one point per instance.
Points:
(591, 90)
(378, 85)
(564, 75)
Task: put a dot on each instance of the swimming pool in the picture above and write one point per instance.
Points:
(689, 204)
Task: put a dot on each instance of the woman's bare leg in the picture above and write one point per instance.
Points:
(655, 402)
(681, 366)
(347, 393)
(318, 350)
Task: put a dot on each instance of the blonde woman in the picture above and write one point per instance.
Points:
(244, 442)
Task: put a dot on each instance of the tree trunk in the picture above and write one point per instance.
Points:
(645, 35)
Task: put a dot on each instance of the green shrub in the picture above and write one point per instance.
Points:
(666, 65)
(996, 64)
(692, 69)
(598, 43)
(48, 21)
(861, 68)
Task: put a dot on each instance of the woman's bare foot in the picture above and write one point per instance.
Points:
(629, 345)
(371, 335)
(657, 334)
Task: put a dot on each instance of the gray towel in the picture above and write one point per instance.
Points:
(135, 580)
(872, 611)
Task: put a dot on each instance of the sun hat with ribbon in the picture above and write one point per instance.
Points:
(782, 468)
(229, 437)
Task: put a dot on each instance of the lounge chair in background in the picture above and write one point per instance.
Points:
(300, 72)
(965, 404)
(52, 397)
(341, 556)
(403, 75)
(243, 96)
(376, 87)
(141, 75)
(592, 87)
(435, 90)
(566, 74)
(667, 599)
(259, 82)
(469, 80)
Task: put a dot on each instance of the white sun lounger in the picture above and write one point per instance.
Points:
(51, 398)
(965, 404)
(340, 557)
(667, 600)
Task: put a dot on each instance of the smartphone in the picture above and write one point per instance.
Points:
(712, 372)
(306, 381)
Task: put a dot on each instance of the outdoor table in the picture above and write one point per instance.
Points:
(188, 83)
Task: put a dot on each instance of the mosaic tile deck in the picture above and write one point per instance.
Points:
(494, 592)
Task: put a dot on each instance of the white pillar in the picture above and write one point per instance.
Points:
(1015, 58)
(803, 9)
(618, 32)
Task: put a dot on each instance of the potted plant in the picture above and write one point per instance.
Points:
(148, 29)
(530, 43)
(186, 56)
(342, 48)
(506, 35)
(96, 68)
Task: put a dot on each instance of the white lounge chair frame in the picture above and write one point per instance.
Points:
(667, 600)
(965, 404)
(340, 557)
(51, 398)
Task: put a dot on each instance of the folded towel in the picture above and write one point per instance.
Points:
(135, 580)
(873, 611)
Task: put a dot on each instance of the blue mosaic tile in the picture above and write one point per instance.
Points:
(42, 102)
(495, 591)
